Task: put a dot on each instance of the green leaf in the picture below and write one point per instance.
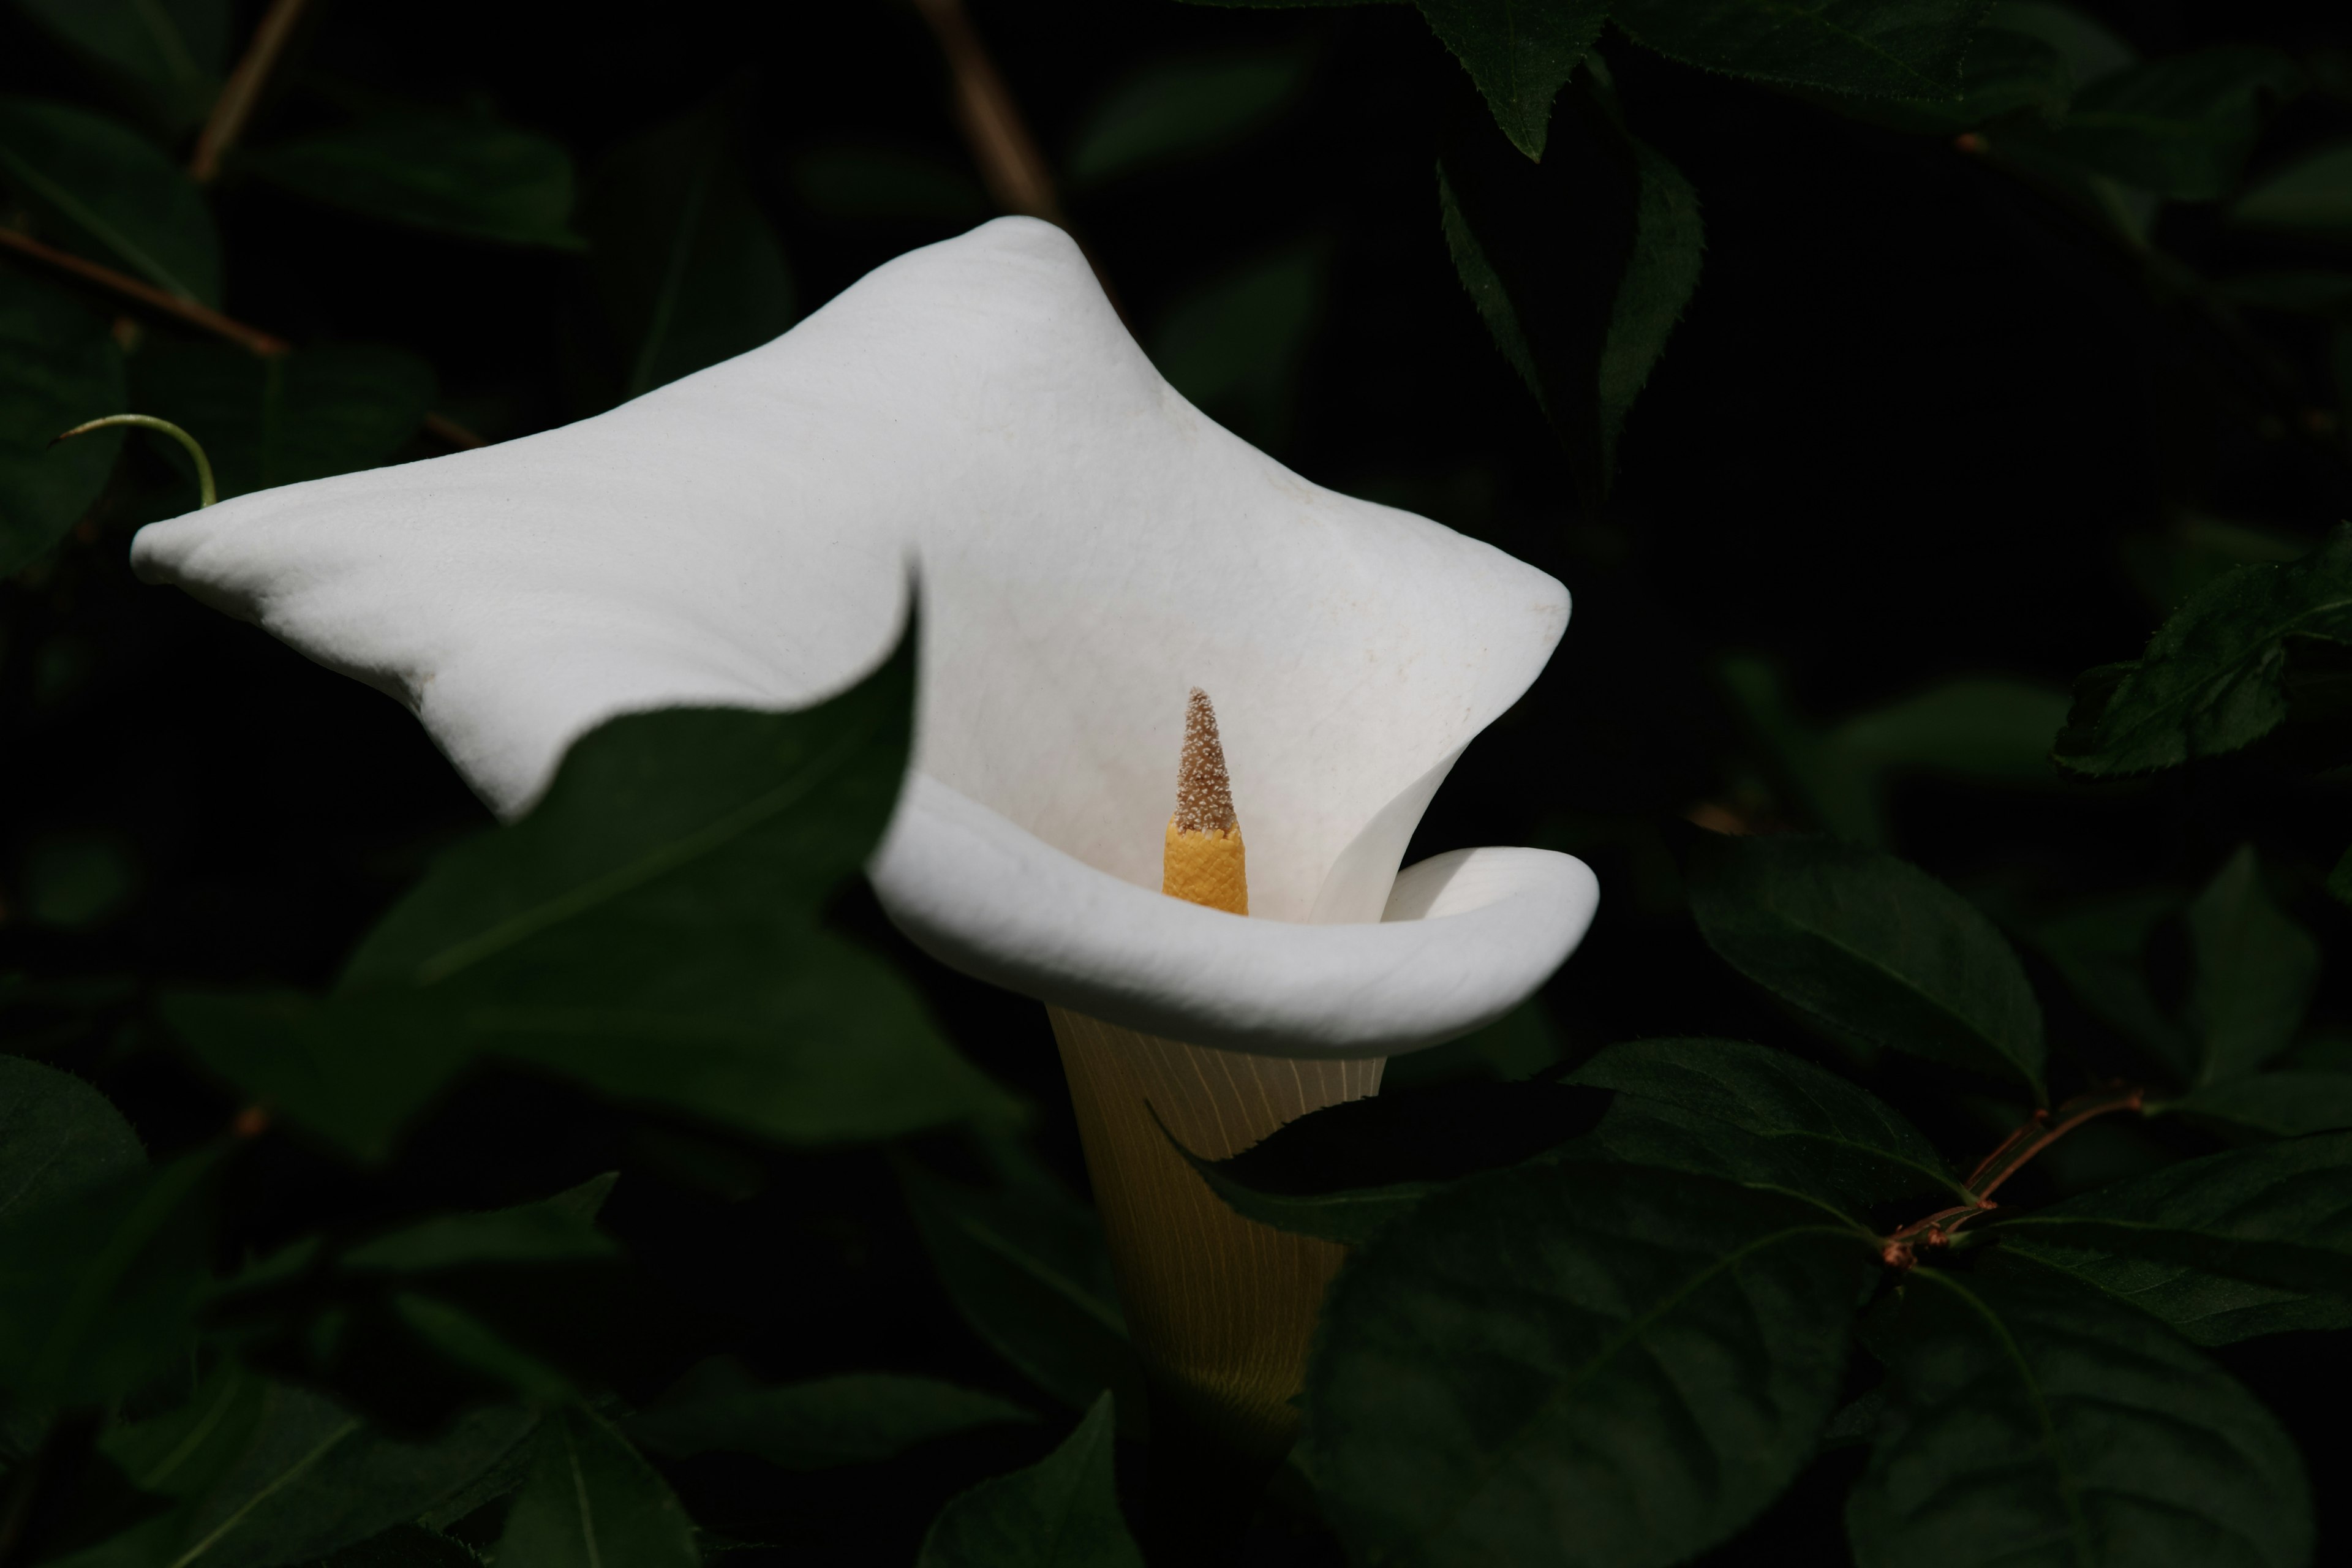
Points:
(594, 1502)
(457, 173)
(2213, 680)
(561, 1230)
(321, 411)
(2034, 1425)
(1580, 267)
(1521, 1044)
(1345, 1170)
(1027, 1267)
(57, 368)
(1884, 48)
(57, 1137)
(690, 268)
(2254, 971)
(2099, 947)
(313, 1479)
(2091, 50)
(1518, 52)
(1761, 1118)
(852, 1419)
(653, 930)
(102, 190)
(2286, 1104)
(1988, 730)
(1178, 109)
(1577, 1363)
(1236, 349)
(2005, 74)
(1661, 275)
(405, 1546)
(2310, 196)
(1870, 949)
(2181, 126)
(1061, 1512)
(2255, 1241)
(167, 55)
(464, 1341)
(264, 1474)
(97, 1287)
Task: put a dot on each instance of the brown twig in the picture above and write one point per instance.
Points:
(449, 430)
(237, 96)
(1010, 164)
(188, 310)
(1901, 1248)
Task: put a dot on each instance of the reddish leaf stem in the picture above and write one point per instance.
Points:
(1900, 1249)
(237, 96)
(188, 310)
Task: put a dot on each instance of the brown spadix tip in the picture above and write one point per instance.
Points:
(1204, 794)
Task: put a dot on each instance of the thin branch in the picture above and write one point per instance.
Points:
(1011, 166)
(1901, 1249)
(449, 430)
(188, 310)
(237, 96)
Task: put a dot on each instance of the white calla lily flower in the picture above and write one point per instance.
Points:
(1088, 547)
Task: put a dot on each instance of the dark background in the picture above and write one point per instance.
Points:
(1918, 422)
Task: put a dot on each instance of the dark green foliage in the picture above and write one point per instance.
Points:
(2258, 1241)
(1344, 1172)
(104, 192)
(1603, 210)
(1026, 1268)
(1062, 1512)
(592, 1500)
(855, 1418)
(1578, 1364)
(651, 929)
(56, 366)
(1888, 49)
(2034, 1424)
(1518, 52)
(2275, 1104)
(57, 1137)
(464, 175)
(259, 1474)
(2255, 970)
(2181, 126)
(277, 421)
(2216, 678)
(1872, 950)
(690, 268)
(164, 57)
(1726, 1108)
(2312, 193)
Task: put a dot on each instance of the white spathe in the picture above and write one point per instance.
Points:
(1088, 547)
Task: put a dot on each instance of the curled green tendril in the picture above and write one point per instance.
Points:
(205, 493)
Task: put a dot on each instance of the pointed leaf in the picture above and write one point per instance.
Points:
(852, 1419)
(2255, 970)
(1061, 1512)
(594, 1502)
(1577, 1363)
(1661, 275)
(690, 269)
(1518, 52)
(103, 191)
(2034, 1425)
(2313, 195)
(465, 175)
(2213, 680)
(2255, 1241)
(1761, 1117)
(1871, 948)
(57, 368)
(2180, 126)
(57, 1137)
(168, 54)
(1888, 49)
(2273, 1104)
